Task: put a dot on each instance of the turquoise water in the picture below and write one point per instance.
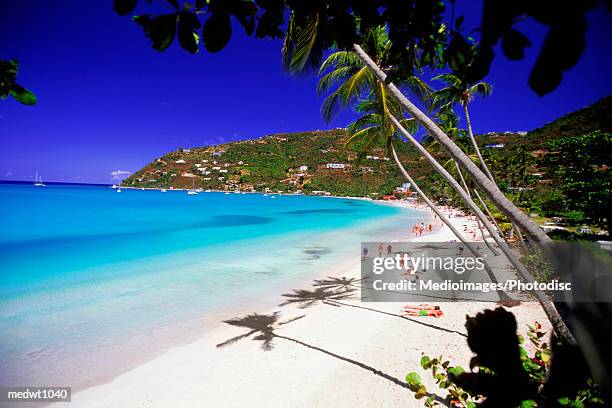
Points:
(90, 278)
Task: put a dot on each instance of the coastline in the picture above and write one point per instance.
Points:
(324, 349)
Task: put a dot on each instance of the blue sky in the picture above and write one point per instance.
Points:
(109, 102)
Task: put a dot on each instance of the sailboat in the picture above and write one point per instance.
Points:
(38, 180)
(193, 190)
(118, 188)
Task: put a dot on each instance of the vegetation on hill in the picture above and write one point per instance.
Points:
(559, 170)
(288, 162)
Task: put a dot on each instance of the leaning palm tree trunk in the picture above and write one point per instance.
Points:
(432, 205)
(518, 231)
(467, 190)
(549, 308)
(485, 167)
(490, 189)
(469, 245)
(487, 210)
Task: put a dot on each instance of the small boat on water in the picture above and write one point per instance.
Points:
(163, 190)
(193, 190)
(38, 180)
(208, 191)
(265, 195)
(227, 193)
(273, 197)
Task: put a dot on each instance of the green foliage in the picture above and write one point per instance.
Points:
(583, 169)
(443, 374)
(420, 33)
(274, 161)
(503, 364)
(8, 85)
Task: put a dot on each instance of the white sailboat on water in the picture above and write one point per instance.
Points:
(193, 190)
(38, 180)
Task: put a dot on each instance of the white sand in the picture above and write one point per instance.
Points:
(347, 357)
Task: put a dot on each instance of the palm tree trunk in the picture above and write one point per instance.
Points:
(469, 245)
(474, 144)
(549, 308)
(484, 165)
(431, 204)
(488, 211)
(485, 184)
(467, 190)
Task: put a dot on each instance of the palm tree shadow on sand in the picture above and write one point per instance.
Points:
(263, 328)
(305, 298)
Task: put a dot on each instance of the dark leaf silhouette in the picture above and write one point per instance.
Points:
(217, 31)
(160, 30)
(188, 24)
(123, 7)
(8, 85)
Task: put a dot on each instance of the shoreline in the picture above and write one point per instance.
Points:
(200, 374)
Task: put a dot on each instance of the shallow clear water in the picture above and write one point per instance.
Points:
(90, 278)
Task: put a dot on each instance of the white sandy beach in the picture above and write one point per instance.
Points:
(353, 355)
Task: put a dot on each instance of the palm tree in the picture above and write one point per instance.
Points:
(459, 91)
(480, 179)
(376, 128)
(352, 80)
(356, 83)
(545, 302)
(345, 79)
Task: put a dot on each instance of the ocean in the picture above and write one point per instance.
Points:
(93, 282)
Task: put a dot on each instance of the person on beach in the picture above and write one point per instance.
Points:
(380, 249)
(460, 250)
(365, 252)
(389, 249)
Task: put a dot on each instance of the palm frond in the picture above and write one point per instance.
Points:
(341, 59)
(448, 79)
(481, 89)
(303, 47)
(327, 81)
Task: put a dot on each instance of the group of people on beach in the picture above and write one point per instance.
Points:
(419, 228)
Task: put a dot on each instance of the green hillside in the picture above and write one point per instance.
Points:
(288, 162)
(561, 169)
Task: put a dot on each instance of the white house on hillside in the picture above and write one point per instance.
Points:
(335, 165)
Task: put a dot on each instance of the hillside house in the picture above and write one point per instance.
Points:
(180, 161)
(336, 165)
(303, 168)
